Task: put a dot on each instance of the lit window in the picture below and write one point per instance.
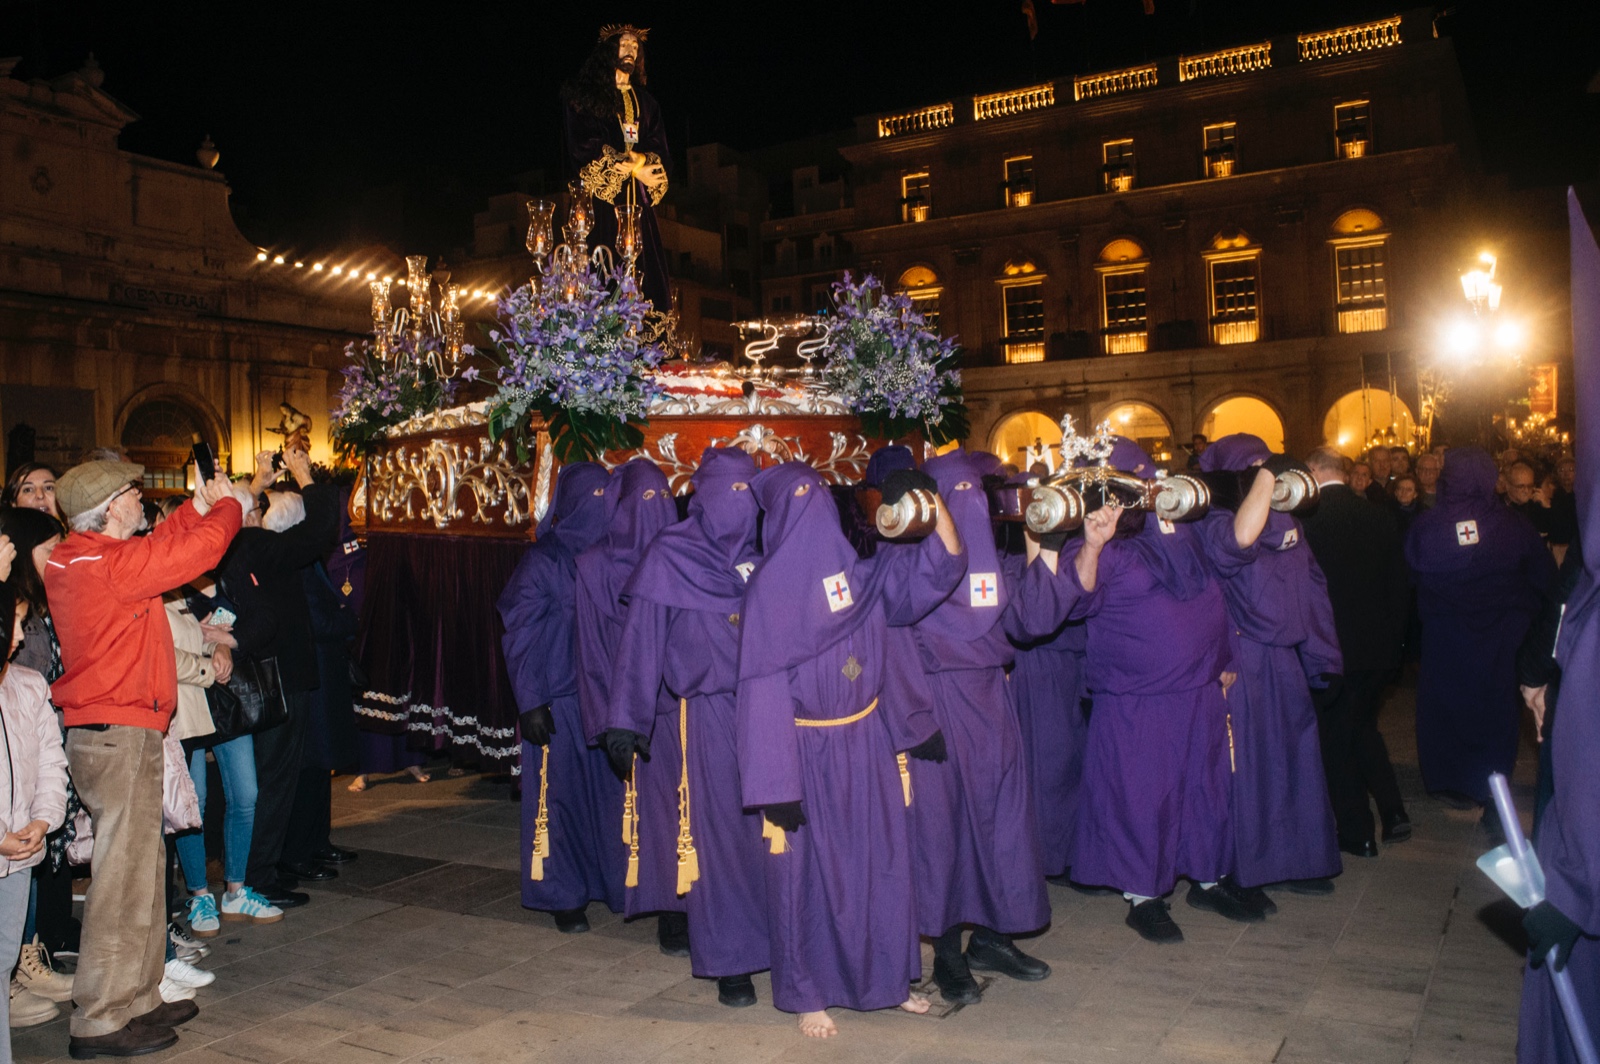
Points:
(1221, 155)
(1352, 126)
(1361, 292)
(1127, 321)
(1024, 322)
(916, 198)
(1235, 299)
(1118, 170)
(922, 285)
(1019, 181)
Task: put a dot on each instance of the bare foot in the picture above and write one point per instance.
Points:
(916, 1004)
(357, 785)
(417, 773)
(820, 1024)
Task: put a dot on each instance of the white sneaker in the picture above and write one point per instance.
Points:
(29, 1009)
(249, 906)
(203, 919)
(35, 973)
(171, 991)
(184, 944)
(185, 974)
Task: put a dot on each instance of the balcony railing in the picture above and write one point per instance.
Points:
(921, 120)
(1015, 102)
(1347, 39)
(1245, 331)
(1114, 81)
(1363, 319)
(1219, 165)
(1024, 351)
(1117, 177)
(1240, 60)
(1353, 147)
(1126, 343)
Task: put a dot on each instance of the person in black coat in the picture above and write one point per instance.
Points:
(262, 569)
(1358, 548)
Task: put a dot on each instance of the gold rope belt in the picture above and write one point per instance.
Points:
(808, 722)
(773, 833)
(688, 860)
(541, 823)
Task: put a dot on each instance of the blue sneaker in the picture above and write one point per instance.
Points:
(203, 920)
(249, 906)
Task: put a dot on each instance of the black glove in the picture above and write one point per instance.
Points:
(786, 815)
(896, 484)
(620, 745)
(1053, 540)
(1327, 695)
(930, 749)
(1549, 929)
(537, 725)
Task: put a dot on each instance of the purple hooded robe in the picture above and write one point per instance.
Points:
(812, 647)
(1284, 639)
(1569, 833)
(681, 635)
(640, 503)
(975, 840)
(539, 607)
(1481, 571)
(1154, 800)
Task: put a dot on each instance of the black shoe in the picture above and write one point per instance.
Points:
(1153, 922)
(334, 855)
(282, 897)
(956, 984)
(1254, 897)
(1093, 892)
(169, 1014)
(134, 1040)
(572, 921)
(1396, 828)
(308, 873)
(988, 952)
(1365, 848)
(736, 991)
(672, 934)
(1309, 886)
(1224, 900)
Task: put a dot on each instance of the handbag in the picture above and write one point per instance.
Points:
(180, 806)
(251, 701)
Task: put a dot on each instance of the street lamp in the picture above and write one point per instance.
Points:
(1484, 343)
(1481, 289)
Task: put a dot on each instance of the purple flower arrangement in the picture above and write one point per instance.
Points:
(379, 392)
(887, 365)
(579, 354)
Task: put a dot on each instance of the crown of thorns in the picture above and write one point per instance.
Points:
(611, 30)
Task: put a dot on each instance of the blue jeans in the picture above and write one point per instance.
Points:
(236, 761)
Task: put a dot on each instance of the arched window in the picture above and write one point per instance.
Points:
(921, 283)
(1244, 413)
(1124, 305)
(1143, 424)
(1026, 439)
(158, 434)
(1233, 266)
(1365, 417)
(1360, 271)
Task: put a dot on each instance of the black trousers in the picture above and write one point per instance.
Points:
(278, 755)
(311, 819)
(56, 926)
(1355, 757)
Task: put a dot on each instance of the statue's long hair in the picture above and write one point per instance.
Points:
(594, 91)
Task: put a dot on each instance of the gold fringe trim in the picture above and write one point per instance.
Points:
(776, 839)
(905, 776)
(630, 822)
(688, 860)
(1233, 763)
(541, 823)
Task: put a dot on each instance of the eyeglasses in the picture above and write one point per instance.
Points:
(133, 485)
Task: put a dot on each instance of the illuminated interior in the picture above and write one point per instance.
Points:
(1245, 413)
(1144, 425)
(1365, 417)
(1014, 435)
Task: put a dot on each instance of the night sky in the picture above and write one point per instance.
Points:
(344, 122)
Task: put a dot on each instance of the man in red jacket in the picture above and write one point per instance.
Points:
(117, 695)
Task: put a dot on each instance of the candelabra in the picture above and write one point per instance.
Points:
(432, 334)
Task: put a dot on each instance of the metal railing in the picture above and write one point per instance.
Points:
(1363, 319)
(1348, 39)
(1239, 60)
(1015, 102)
(921, 120)
(1114, 81)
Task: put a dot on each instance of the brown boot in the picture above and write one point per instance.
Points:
(134, 1040)
(170, 1014)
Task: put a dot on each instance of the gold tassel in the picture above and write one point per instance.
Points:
(1233, 764)
(688, 860)
(630, 822)
(541, 822)
(905, 776)
(774, 836)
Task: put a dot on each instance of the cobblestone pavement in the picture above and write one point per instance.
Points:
(420, 952)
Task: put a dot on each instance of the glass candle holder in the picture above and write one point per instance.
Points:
(541, 227)
(628, 215)
(417, 283)
(449, 302)
(580, 214)
(380, 305)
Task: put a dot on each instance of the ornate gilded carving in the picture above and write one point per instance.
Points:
(426, 481)
(845, 462)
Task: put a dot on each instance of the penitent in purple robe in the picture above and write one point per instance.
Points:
(587, 859)
(815, 645)
(1284, 640)
(975, 840)
(1047, 689)
(1154, 801)
(640, 505)
(1569, 833)
(1481, 573)
(681, 635)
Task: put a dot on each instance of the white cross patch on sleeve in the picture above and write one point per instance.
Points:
(1466, 533)
(744, 569)
(1290, 538)
(837, 590)
(983, 589)
(1167, 527)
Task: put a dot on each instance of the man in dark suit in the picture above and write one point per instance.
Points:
(1358, 548)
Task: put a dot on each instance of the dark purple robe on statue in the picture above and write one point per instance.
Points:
(1047, 690)
(1481, 571)
(681, 635)
(975, 842)
(1569, 833)
(813, 642)
(584, 801)
(640, 504)
(1154, 801)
